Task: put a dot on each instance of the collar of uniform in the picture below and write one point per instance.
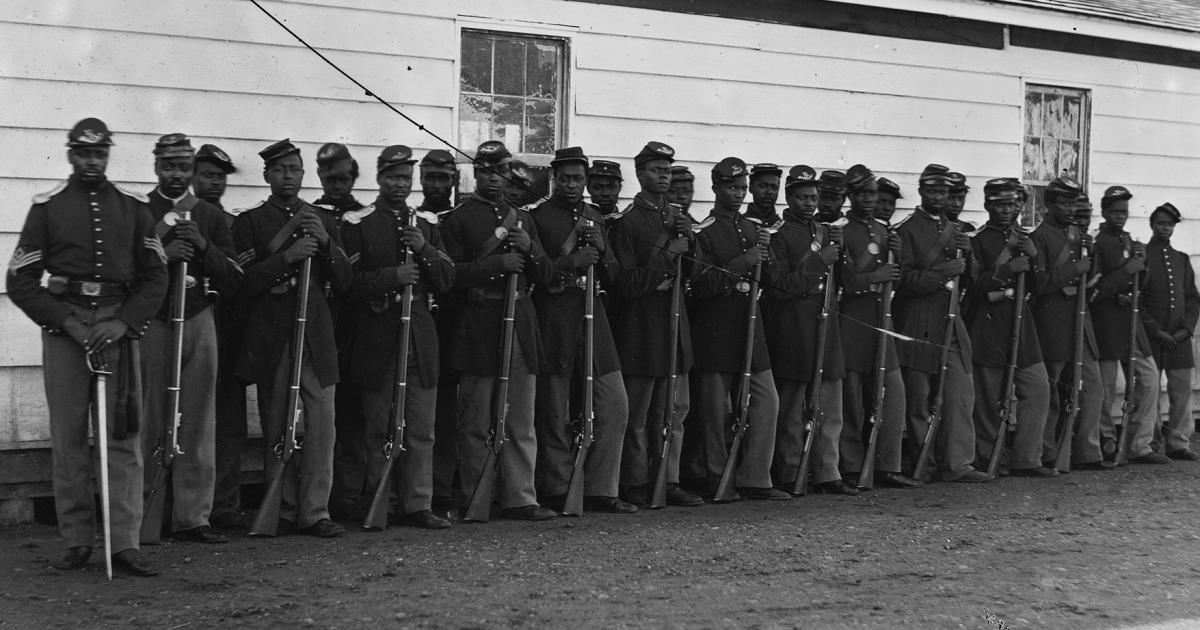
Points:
(792, 217)
(425, 207)
(296, 205)
(383, 204)
(992, 226)
(726, 215)
(174, 200)
(77, 180)
(1111, 229)
(640, 201)
(1160, 242)
(347, 203)
(925, 214)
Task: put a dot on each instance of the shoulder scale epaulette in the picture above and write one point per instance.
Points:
(131, 193)
(354, 216)
(697, 227)
(429, 217)
(43, 197)
(619, 213)
(908, 216)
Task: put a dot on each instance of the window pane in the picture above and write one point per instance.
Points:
(474, 121)
(508, 122)
(1033, 113)
(542, 64)
(476, 64)
(1068, 158)
(510, 67)
(1056, 123)
(1034, 209)
(1048, 166)
(1071, 108)
(1031, 169)
(539, 135)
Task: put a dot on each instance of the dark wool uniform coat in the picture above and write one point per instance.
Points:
(1054, 303)
(269, 289)
(560, 304)
(989, 322)
(866, 247)
(639, 238)
(480, 284)
(1110, 300)
(793, 300)
(373, 237)
(1170, 302)
(720, 302)
(216, 262)
(922, 299)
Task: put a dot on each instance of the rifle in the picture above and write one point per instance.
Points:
(266, 522)
(1130, 374)
(725, 492)
(480, 504)
(168, 445)
(866, 476)
(935, 409)
(658, 498)
(377, 514)
(1008, 384)
(98, 365)
(573, 503)
(1067, 428)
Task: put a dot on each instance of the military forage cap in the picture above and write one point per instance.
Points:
(766, 168)
(1115, 193)
(492, 152)
(332, 152)
(1065, 186)
(888, 186)
(211, 153)
(654, 151)
(681, 174)
(89, 132)
(605, 168)
(728, 169)
(801, 175)
(1170, 210)
(569, 155)
(438, 161)
(958, 182)
(1002, 189)
(834, 181)
(173, 145)
(280, 149)
(394, 155)
(520, 172)
(935, 175)
(858, 176)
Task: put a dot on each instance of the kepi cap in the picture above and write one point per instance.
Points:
(889, 186)
(766, 168)
(832, 181)
(606, 168)
(681, 174)
(211, 153)
(1064, 186)
(492, 152)
(520, 172)
(801, 175)
(438, 161)
(857, 177)
(935, 175)
(728, 169)
(1115, 193)
(654, 151)
(89, 132)
(395, 155)
(958, 182)
(331, 152)
(1002, 189)
(173, 145)
(569, 155)
(1170, 210)
(280, 149)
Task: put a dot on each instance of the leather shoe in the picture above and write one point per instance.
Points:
(837, 486)
(554, 502)
(612, 505)
(974, 476)
(763, 494)
(202, 534)
(637, 495)
(897, 480)
(1183, 454)
(228, 520)
(324, 528)
(1096, 465)
(1040, 471)
(532, 512)
(75, 558)
(1150, 458)
(131, 562)
(682, 498)
(426, 519)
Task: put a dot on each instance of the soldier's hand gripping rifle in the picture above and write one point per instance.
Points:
(266, 522)
(1067, 428)
(1127, 404)
(658, 498)
(725, 491)
(168, 445)
(377, 514)
(480, 504)
(98, 364)
(866, 476)
(573, 502)
(1008, 384)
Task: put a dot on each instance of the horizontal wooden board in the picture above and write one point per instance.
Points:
(23, 414)
(1141, 104)
(1135, 137)
(1144, 169)
(22, 343)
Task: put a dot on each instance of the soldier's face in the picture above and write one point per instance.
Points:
(570, 180)
(89, 163)
(208, 182)
(730, 194)
(1003, 213)
(655, 177)
(934, 198)
(437, 186)
(489, 181)
(829, 205)
(605, 191)
(765, 189)
(1162, 226)
(885, 206)
(338, 180)
(395, 183)
(174, 175)
(802, 200)
(1062, 210)
(1117, 213)
(863, 199)
(284, 176)
(681, 193)
(955, 204)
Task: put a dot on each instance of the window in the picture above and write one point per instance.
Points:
(512, 89)
(1056, 141)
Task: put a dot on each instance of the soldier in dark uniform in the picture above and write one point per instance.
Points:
(604, 186)
(201, 242)
(831, 187)
(869, 262)
(107, 278)
(932, 253)
(338, 172)
(803, 253)
(1002, 250)
(958, 200)
(682, 187)
(885, 200)
(378, 239)
(211, 174)
(272, 240)
(1118, 259)
(519, 192)
(1063, 256)
(571, 233)
(488, 239)
(646, 238)
(1170, 308)
(728, 247)
(764, 192)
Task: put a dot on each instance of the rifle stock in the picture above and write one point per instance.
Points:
(812, 407)
(1009, 382)
(725, 491)
(866, 476)
(935, 409)
(573, 502)
(1067, 427)
(658, 498)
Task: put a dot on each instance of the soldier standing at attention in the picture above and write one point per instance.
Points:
(1170, 308)
(932, 253)
(958, 201)
(604, 186)
(682, 187)
(729, 247)
(107, 278)
(885, 200)
(871, 252)
(764, 192)
(203, 243)
(646, 239)
(378, 239)
(273, 239)
(571, 233)
(831, 187)
(1118, 259)
(488, 239)
(803, 252)
(338, 171)
(211, 175)
(1063, 257)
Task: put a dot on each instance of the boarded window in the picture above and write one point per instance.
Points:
(1056, 141)
(512, 88)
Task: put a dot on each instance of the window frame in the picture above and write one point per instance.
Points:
(1034, 208)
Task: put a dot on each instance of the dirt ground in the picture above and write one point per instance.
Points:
(1086, 550)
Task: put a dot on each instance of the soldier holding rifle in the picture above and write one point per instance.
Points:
(107, 278)
(764, 191)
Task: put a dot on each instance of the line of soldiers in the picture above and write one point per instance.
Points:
(571, 356)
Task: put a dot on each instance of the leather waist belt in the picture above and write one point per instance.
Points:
(61, 285)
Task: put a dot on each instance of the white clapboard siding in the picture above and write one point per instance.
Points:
(24, 419)
(22, 345)
(1135, 137)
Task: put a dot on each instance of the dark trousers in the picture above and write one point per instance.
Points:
(230, 433)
